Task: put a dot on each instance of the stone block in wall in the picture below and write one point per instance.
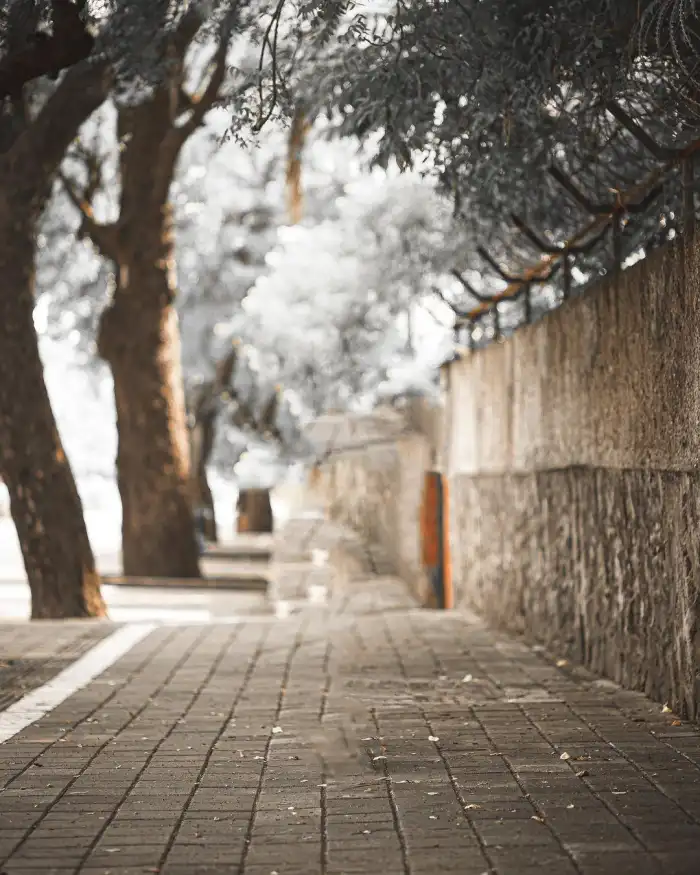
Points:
(599, 565)
(377, 493)
(610, 379)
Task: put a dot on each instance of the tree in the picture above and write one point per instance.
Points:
(138, 334)
(36, 42)
(222, 251)
(488, 95)
(333, 319)
(45, 37)
(44, 500)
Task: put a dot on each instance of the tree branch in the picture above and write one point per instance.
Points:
(38, 151)
(202, 103)
(45, 54)
(105, 237)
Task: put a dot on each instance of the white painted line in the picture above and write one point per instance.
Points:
(41, 701)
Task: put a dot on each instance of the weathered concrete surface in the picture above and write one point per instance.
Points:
(600, 565)
(372, 480)
(611, 379)
(574, 462)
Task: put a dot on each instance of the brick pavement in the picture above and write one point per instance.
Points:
(31, 655)
(360, 736)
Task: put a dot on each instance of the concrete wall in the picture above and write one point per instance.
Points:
(372, 481)
(574, 459)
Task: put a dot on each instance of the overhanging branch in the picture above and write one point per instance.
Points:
(105, 237)
(47, 54)
(199, 105)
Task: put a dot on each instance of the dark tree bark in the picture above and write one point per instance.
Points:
(30, 53)
(139, 335)
(203, 411)
(201, 441)
(44, 500)
(254, 511)
(139, 339)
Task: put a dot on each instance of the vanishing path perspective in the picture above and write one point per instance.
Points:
(360, 735)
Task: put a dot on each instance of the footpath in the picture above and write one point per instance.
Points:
(353, 735)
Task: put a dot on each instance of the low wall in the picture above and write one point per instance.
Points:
(373, 481)
(574, 462)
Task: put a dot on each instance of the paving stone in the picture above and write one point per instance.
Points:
(357, 736)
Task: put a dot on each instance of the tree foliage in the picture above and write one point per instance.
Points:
(487, 95)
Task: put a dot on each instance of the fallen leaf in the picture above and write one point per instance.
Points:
(472, 805)
(582, 774)
(277, 729)
(665, 710)
(467, 679)
(565, 756)
(433, 738)
(538, 819)
(676, 723)
(562, 662)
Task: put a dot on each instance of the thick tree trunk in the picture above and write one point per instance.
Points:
(139, 335)
(44, 500)
(254, 511)
(139, 338)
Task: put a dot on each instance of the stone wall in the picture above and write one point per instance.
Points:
(574, 461)
(372, 481)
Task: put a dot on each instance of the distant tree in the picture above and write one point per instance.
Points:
(336, 314)
(487, 94)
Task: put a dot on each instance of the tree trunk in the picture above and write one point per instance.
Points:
(44, 500)
(139, 335)
(139, 338)
(254, 511)
(201, 442)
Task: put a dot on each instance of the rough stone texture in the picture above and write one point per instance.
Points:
(574, 466)
(600, 565)
(377, 491)
(350, 739)
(611, 379)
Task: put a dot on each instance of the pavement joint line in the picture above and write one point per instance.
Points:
(298, 639)
(647, 777)
(539, 813)
(132, 717)
(395, 815)
(527, 717)
(115, 690)
(600, 735)
(250, 670)
(216, 662)
(450, 775)
(452, 746)
(41, 701)
(327, 680)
